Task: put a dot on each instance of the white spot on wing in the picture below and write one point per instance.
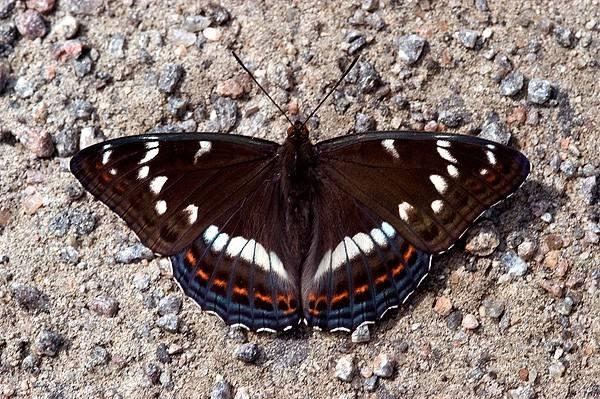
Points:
(403, 209)
(151, 144)
(452, 171)
(143, 172)
(149, 155)
(439, 183)
(161, 207)
(277, 265)
(491, 146)
(220, 242)
(205, 147)
(491, 157)
(379, 237)
(364, 242)
(388, 229)
(443, 143)
(192, 211)
(236, 245)
(390, 148)
(106, 157)
(351, 248)
(437, 206)
(113, 171)
(157, 184)
(210, 233)
(444, 153)
(483, 172)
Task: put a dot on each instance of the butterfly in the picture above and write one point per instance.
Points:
(332, 234)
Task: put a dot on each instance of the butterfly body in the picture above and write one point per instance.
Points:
(332, 234)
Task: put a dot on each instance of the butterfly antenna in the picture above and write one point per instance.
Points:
(263, 90)
(331, 91)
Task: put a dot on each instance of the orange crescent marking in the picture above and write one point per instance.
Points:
(408, 253)
(362, 289)
(264, 298)
(190, 257)
(339, 297)
(220, 283)
(240, 291)
(398, 269)
(381, 279)
(204, 276)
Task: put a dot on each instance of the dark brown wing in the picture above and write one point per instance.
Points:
(429, 187)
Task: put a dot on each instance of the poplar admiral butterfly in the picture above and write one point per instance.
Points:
(332, 234)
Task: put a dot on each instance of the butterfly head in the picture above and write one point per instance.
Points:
(298, 132)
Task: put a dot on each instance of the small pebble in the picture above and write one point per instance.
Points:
(512, 83)
(363, 123)
(557, 370)
(483, 240)
(141, 281)
(515, 266)
(169, 323)
(590, 190)
(344, 368)
(169, 304)
(99, 357)
(116, 46)
(170, 77)
(162, 354)
(370, 384)
(525, 392)
(410, 48)
(527, 250)
(357, 41)
(219, 14)
(82, 109)
(361, 334)
(177, 106)
(47, 343)
(247, 353)
(69, 255)
(152, 372)
(235, 87)
(38, 141)
(66, 27)
(196, 23)
(105, 306)
(482, 5)
(370, 5)
(384, 365)
(564, 36)
(31, 25)
(212, 34)
(28, 297)
(442, 306)
(43, 6)
(470, 322)
(454, 320)
(495, 130)
(539, 91)
(493, 308)
(221, 389)
(32, 202)
(66, 142)
(565, 306)
(552, 288)
(67, 50)
(225, 113)
(134, 254)
(24, 87)
(468, 38)
(180, 37)
(547, 217)
(89, 136)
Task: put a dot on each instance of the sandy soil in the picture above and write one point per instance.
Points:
(76, 323)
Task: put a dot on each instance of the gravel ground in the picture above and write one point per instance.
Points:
(510, 312)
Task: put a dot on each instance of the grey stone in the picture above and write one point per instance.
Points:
(84, 7)
(357, 44)
(361, 334)
(141, 281)
(177, 106)
(454, 320)
(169, 323)
(24, 87)
(370, 5)
(169, 304)
(69, 255)
(226, 113)
(99, 357)
(196, 23)
(557, 370)
(512, 84)
(162, 354)
(219, 14)
(565, 306)
(170, 78)
(83, 222)
(482, 5)
(493, 308)
(370, 384)
(66, 27)
(247, 353)
(6, 8)
(410, 48)
(344, 368)
(4, 74)
(134, 253)
(363, 123)
(590, 189)
(116, 46)
(28, 297)
(221, 390)
(384, 365)
(66, 142)
(152, 372)
(47, 343)
(468, 38)
(31, 25)
(527, 250)
(82, 66)
(515, 266)
(281, 76)
(526, 392)
(539, 91)
(496, 131)
(82, 109)
(564, 36)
